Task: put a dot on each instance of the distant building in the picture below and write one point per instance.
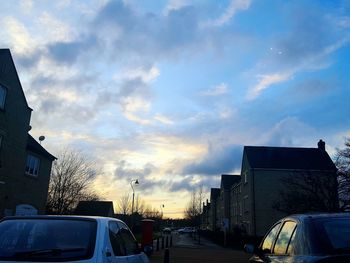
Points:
(25, 165)
(95, 208)
(213, 210)
(227, 181)
(254, 193)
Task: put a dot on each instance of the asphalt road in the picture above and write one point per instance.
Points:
(187, 250)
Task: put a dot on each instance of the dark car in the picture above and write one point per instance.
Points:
(322, 238)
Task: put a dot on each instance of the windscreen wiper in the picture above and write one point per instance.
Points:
(48, 251)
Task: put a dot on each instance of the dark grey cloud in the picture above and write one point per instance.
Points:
(68, 52)
(186, 184)
(219, 160)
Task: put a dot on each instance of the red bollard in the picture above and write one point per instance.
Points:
(147, 236)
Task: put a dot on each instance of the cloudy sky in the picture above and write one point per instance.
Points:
(170, 91)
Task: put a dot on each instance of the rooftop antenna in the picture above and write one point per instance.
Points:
(41, 138)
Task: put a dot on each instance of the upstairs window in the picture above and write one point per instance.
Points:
(3, 92)
(32, 166)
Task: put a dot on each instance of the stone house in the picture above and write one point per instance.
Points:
(25, 165)
(264, 169)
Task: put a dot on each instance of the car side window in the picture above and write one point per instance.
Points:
(115, 239)
(290, 249)
(284, 238)
(129, 241)
(269, 239)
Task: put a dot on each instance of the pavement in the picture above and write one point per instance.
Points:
(187, 250)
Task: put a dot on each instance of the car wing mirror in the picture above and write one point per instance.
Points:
(249, 248)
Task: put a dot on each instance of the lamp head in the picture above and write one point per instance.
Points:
(137, 182)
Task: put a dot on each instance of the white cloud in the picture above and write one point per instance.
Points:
(163, 119)
(217, 90)
(53, 29)
(26, 6)
(265, 81)
(232, 9)
(146, 75)
(17, 35)
(174, 5)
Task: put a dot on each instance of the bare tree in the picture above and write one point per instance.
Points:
(71, 179)
(342, 161)
(139, 205)
(152, 213)
(194, 206)
(308, 191)
(124, 204)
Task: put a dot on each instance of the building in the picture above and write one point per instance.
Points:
(227, 181)
(264, 173)
(25, 165)
(95, 208)
(213, 210)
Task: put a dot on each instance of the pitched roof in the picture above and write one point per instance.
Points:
(214, 193)
(35, 147)
(8, 70)
(227, 180)
(288, 158)
(95, 208)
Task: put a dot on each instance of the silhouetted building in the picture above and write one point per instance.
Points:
(253, 194)
(25, 165)
(95, 208)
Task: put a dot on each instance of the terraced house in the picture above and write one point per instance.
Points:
(267, 173)
(25, 165)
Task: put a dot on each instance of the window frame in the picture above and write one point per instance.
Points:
(289, 238)
(3, 100)
(36, 165)
(278, 225)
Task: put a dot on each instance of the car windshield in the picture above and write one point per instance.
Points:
(338, 232)
(47, 239)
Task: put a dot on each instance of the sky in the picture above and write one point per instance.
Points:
(168, 92)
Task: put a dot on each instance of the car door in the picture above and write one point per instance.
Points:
(267, 245)
(116, 242)
(278, 244)
(132, 251)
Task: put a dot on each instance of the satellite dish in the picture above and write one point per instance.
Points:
(41, 138)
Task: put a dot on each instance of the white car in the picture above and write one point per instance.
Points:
(68, 239)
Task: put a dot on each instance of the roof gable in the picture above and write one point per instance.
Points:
(8, 74)
(34, 146)
(227, 180)
(214, 193)
(288, 158)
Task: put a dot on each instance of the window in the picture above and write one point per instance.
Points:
(269, 239)
(115, 239)
(122, 240)
(284, 238)
(75, 237)
(129, 240)
(3, 92)
(245, 204)
(32, 166)
(245, 174)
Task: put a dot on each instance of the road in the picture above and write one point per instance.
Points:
(187, 250)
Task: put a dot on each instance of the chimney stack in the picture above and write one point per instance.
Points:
(321, 145)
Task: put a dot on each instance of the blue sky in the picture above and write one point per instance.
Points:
(170, 91)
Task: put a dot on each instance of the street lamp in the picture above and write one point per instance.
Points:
(136, 182)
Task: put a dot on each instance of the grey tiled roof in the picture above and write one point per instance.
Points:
(288, 158)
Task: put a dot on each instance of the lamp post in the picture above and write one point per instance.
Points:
(136, 182)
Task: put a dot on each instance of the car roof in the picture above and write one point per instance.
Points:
(63, 217)
(317, 216)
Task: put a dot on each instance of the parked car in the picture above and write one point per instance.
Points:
(68, 239)
(167, 230)
(305, 238)
(186, 230)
